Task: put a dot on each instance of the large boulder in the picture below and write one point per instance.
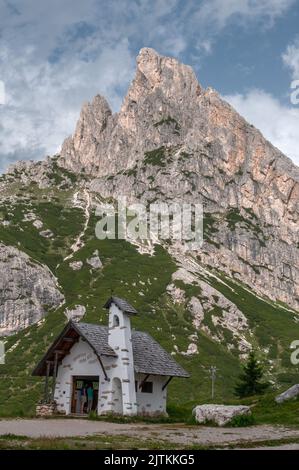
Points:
(76, 265)
(75, 313)
(290, 393)
(95, 261)
(218, 414)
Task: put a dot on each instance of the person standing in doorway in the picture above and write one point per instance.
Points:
(83, 399)
(89, 397)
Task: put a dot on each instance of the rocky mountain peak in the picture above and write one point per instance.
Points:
(90, 127)
(95, 113)
(174, 79)
(163, 91)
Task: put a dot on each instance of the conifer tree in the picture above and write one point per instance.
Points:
(250, 380)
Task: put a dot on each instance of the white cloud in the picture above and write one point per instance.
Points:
(219, 13)
(2, 92)
(278, 123)
(291, 58)
(43, 100)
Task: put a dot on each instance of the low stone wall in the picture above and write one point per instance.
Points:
(46, 409)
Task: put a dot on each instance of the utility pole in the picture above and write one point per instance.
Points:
(213, 371)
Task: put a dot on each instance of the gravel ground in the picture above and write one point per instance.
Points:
(180, 434)
(283, 447)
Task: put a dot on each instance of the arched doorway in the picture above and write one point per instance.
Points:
(117, 396)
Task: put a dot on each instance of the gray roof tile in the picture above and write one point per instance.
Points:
(97, 336)
(151, 358)
(122, 304)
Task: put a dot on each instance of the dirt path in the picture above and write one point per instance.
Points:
(180, 434)
(282, 447)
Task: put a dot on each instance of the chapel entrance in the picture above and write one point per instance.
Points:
(85, 394)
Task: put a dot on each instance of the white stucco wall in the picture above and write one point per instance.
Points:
(81, 361)
(152, 403)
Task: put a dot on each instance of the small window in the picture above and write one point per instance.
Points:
(147, 387)
(115, 320)
(136, 386)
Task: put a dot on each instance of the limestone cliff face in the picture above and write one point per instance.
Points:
(90, 137)
(27, 290)
(174, 140)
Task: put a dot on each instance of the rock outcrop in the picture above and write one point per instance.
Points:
(176, 141)
(224, 315)
(44, 174)
(290, 393)
(27, 290)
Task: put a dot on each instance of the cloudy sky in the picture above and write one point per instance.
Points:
(56, 54)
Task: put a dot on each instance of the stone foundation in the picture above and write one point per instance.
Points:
(46, 409)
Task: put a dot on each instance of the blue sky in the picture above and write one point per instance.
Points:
(54, 55)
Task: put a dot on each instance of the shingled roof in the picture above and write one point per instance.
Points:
(149, 356)
(97, 337)
(122, 304)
